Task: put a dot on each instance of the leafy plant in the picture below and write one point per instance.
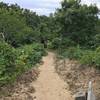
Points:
(74, 52)
(7, 62)
(56, 43)
(91, 58)
(14, 62)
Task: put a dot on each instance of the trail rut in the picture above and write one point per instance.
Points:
(49, 86)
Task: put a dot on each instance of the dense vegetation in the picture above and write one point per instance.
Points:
(73, 30)
(13, 62)
(20, 41)
(79, 36)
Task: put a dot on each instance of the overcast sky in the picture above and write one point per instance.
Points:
(44, 7)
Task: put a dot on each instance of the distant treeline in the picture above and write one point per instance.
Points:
(73, 21)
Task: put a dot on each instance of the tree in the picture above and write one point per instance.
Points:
(77, 21)
(32, 19)
(14, 29)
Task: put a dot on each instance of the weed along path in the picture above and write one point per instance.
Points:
(49, 86)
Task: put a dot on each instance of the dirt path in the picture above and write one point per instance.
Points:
(49, 86)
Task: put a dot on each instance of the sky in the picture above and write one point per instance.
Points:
(44, 7)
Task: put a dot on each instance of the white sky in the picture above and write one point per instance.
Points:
(44, 7)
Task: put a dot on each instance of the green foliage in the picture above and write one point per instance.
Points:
(77, 21)
(97, 57)
(66, 42)
(79, 25)
(62, 43)
(96, 40)
(91, 58)
(7, 62)
(87, 58)
(28, 56)
(73, 53)
(56, 43)
(21, 26)
(15, 30)
(31, 54)
(71, 25)
(32, 19)
(14, 62)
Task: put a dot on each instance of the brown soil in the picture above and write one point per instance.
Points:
(22, 88)
(78, 76)
(49, 86)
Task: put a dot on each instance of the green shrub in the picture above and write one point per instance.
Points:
(56, 43)
(74, 52)
(87, 58)
(13, 62)
(96, 41)
(29, 55)
(7, 63)
(91, 58)
(62, 43)
(96, 58)
(67, 43)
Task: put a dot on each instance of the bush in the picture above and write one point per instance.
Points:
(62, 43)
(29, 55)
(56, 43)
(67, 43)
(96, 41)
(7, 62)
(91, 58)
(73, 53)
(14, 62)
(97, 58)
(87, 57)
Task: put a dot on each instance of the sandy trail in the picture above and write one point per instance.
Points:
(49, 86)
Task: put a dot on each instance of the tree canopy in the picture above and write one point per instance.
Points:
(78, 21)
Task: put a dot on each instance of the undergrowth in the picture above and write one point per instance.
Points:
(14, 62)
